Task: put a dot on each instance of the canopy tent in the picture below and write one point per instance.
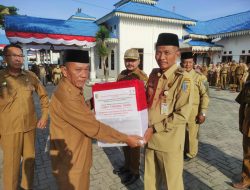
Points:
(32, 30)
(78, 32)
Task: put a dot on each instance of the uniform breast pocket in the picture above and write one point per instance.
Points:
(28, 91)
(6, 101)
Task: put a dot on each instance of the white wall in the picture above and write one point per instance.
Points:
(236, 45)
(143, 34)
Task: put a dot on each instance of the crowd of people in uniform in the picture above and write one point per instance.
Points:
(177, 99)
(231, 75)
(47, 73)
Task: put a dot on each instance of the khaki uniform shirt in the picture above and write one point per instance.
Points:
(174, 87)
(224, 70)
(17, 110)
(240, 70)
(72, 127)
(201, 98)
(136, 74)
(244, 113)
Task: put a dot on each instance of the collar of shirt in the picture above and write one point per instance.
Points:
(71, 88)
(168, 72)
(192, 72)
(7, 74)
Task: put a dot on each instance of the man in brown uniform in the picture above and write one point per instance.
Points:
(18, 119)
(170, 97)
(199, 108)
(239, 71)
(131, 155)
(57, 74)
(73, 125)
(223, 76)
(244, 125)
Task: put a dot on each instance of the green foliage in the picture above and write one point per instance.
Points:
(102, 33)
(4, 10)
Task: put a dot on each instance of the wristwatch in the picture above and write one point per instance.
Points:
(203, 114)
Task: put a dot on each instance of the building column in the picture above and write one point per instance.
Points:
(92, 64)
(46, 56)
(51, 56)
(25, 53)
(38, 60)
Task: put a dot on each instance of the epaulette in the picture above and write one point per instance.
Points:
(32, 74)
(143, 73)
(180, 70)
(198, 72)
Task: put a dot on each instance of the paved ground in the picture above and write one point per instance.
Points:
(217, 164)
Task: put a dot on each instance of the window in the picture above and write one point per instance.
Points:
(243, 51)
(226, 59)
(225, 52)
(107, 62)
(100, 63)
(230, 52)
(141, 58)
(112, 60)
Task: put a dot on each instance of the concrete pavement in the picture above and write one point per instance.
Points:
(217, 164)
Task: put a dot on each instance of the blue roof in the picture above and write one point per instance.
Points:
(4, 39)
(149, 10)
(50, 26)
(231, 23)
(83, 16)
(202, 43)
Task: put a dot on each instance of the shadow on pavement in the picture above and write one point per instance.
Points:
(223, 162)
(116, 158)
(193, 183)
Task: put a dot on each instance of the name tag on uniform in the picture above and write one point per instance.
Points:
(164, 105)
(164, 108)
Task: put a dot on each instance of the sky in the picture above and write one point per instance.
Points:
(63, 9)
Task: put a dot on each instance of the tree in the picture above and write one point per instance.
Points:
(101, 42)
(4, 10)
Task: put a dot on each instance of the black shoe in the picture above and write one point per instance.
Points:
(120, 171)
(130, 179)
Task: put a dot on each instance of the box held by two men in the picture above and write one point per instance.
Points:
(123, 106)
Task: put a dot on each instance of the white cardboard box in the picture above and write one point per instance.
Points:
(122, 105)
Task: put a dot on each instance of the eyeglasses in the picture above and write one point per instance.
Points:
(16, 56)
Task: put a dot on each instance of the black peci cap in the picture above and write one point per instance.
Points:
(79, 56)
(186, 55)
(167, 39)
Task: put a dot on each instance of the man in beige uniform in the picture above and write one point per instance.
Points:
(18, 119)
(244, 125)
(73, 125)
(239, 71)
(223, 76)
(132, 155)
(57, 74)
(170, 97)
(199, 109)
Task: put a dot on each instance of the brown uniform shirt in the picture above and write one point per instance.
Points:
(17, 110)
(175, 86)
(72, 127)
(244, 114)
(137, 74)
(201, 98)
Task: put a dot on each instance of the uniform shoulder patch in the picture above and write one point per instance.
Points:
(186, 83)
